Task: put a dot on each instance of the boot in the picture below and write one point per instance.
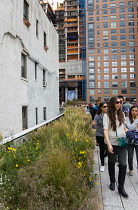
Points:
(111, 170)
(121, 181)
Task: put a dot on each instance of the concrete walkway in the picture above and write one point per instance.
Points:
(111, 200)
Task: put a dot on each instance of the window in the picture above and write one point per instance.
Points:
(114, 63)
(98, 57)
(122, 44)
(131, 9)
(123, 69)
(131, 43)
(91, 58)
(131, 63)
(106, 57)
(91, 92)
(44, 78)
(45, 44)
(132, 91)
(122, 10)
(113, 11)
(123, 37)
(114, 70)
(105, 32)
(99, 84)
(132, 76)
(104, 6)
(106, 84)
(124, 84)
(123, 57)
(123, 76)
(131, 56)
(113, 17)
(130, 3)
(123, 63)
(36, 71)
(122, 17)
(113, 24)
(113, 31)
(91, 71)
(91, 51)
(26, 11)
(97, 25)
(124, 91)
(130, 16)
(105, 38)
(122, 31)
(123, 50)
(132, 36)
(24, 117)
(114, 50)
(91, 77)
(106, 92)
(131, 23)
(113, 37)
(106, 63)
(105, 44)
(132, 84)
(97, 18)
(114, 57)
(106, 98)
(36, 116)
(98, 32)
(37, 28)
(113, 44)
(105, 51)
(115, 92)
(131, 50)
(105, 18)
(112, 5)
(122, 24)
(23, 66)
(106, 70)
(131, 30)
(99, 77)
(114, 84)
(106, 77)
(132, 69)
(91, 84)
(44, 113)
(121, 4)
(114, 76)
(105, 25)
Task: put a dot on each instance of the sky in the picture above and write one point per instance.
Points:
(55, 2)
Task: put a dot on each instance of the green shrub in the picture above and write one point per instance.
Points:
(53, 169)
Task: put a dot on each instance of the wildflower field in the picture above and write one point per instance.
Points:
(53, 169)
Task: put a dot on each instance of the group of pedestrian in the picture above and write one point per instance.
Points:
(112, 121)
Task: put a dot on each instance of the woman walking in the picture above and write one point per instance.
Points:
(132, 123)
(114, 127)
(98, 124)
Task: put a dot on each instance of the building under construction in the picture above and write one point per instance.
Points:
(70, 23)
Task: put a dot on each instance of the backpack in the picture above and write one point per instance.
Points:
(132, 136)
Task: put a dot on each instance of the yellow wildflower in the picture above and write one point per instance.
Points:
(90, 178)
(76, 139)
(21, 169)
(14, 156)
(28, 160)
(82, 152)
(17, 165)
(87, 140)
(79, 164)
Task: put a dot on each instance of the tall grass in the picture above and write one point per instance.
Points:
(53, 169)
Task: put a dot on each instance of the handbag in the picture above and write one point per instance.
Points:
(122, 141)
(132, 136)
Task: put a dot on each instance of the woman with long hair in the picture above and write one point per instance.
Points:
(132, 123)
(114, 127)
(98, 124)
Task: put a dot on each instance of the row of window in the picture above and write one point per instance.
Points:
(25, 116)
(114, 31)
(112, 57)
(114, 76)
(24, 69)
(112, 17)
(113, 50)
(112, 44)
(113, 84)
(112, 11)
(113, 24)
(26, 21)
(114, 91)
(113, 63)
(113, 70)
(130, 3)
(122, 37)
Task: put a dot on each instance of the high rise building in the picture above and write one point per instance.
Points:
(112, 49)
(70, 27)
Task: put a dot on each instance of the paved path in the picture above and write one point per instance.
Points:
(111, 200)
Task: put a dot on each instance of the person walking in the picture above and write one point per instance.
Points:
(98, 124)
(114, 127)
(132, 123)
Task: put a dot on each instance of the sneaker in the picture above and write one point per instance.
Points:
(106, 159)
(102, 168)
(130, 173)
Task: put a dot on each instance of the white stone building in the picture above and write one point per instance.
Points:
(29, 66)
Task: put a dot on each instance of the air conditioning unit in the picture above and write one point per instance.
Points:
(44, 83)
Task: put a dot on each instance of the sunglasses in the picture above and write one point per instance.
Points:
(104, 106)
(118, 102)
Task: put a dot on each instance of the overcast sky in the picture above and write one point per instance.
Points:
(55, 2)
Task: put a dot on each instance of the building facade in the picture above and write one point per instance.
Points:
(69, 27)
(29, 66)
(112, 49)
